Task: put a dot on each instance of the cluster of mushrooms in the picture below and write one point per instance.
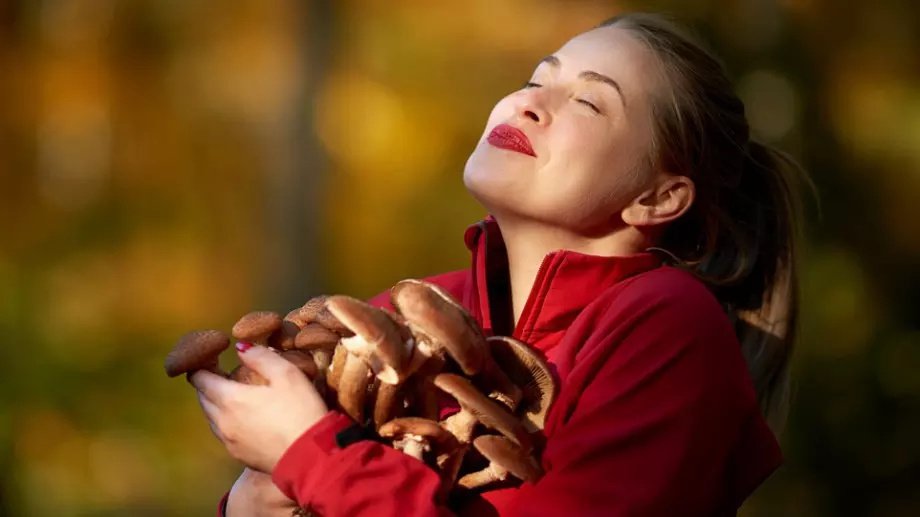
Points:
(393, 372)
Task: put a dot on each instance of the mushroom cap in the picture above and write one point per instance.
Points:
(315, 311)
(284, 337)
(314, 336)
(445, 324)
(195, 351)
(377, 337)
(256, 326)
(531, 373)
(504, 453)
(302, 360)
(432, 431)
(486, 411)
(246, 375)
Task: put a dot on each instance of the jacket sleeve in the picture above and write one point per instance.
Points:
(646, 425)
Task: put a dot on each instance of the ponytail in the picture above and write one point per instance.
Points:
(764, 301)
(742, 234)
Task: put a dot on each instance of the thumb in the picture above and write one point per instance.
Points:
(264, 361)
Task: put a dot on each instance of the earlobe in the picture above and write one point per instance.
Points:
(670, 199)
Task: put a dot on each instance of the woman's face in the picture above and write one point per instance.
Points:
(587, 115)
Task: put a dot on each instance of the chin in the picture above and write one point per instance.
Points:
(491, 173)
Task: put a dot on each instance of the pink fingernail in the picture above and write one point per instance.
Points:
(242, 347)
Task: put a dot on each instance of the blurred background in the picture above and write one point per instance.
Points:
(168, 165)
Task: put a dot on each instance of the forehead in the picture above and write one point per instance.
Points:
(614, 52)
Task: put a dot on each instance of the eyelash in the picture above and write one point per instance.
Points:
(593, 107)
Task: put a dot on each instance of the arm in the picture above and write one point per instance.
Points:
(646, 424)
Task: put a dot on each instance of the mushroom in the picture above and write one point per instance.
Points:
(336, 367)
(378, 339)
(314, 336)
(283, 338)
(303, 361)
(198, 350)
(415, 436)
(449, 465)
(314, 311)
(246, 375)
(529, 371)
(320, 342)
(352, 385)
(422, 391)
(439, 323)
(256, 327)
(387, 402)
(477, 408)
(504, 458)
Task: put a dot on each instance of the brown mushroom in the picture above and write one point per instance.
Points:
(283, 338)
(320, 342)
(529, 371)
(352, 387)
(378, 339)
(339, 356)
(256, 327)
(440, 324)
(198, 350)
(449, 465)
(314, 336)
(302, 360)
(415, 436)
(478, 408)
(387, 402)
(505, 458)
(314, 311)
(246, 375)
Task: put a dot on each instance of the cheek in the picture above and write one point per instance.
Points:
(591, 175)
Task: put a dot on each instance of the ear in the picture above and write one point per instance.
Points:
(669, 198)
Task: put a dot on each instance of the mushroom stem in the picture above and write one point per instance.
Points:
(490, 474)
(322, 358)
(450, 464)
(461, 425)
(335, 369)
(387, 403)
(352, 387)
(413, 445)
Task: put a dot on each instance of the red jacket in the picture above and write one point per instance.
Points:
(656, 415)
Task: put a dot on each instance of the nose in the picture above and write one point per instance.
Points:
(532, 105)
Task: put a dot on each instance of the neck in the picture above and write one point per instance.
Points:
(528, 242)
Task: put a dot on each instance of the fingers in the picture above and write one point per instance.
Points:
(269, 364)
(211, 412)
(214, 387)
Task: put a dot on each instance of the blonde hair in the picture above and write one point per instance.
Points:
(741, 235)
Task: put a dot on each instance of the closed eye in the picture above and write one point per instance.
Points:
(531, 84)
(590, 105)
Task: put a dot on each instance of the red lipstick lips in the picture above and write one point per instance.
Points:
(506, 136)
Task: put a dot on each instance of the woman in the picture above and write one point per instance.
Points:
(642, 242)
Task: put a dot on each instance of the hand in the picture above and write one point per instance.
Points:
(257, 424)
(255, 495)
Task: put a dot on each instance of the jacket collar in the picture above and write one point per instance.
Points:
(567, 282)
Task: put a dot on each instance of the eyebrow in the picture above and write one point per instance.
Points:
(588, 75)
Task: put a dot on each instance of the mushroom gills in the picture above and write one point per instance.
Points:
(527, 369)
